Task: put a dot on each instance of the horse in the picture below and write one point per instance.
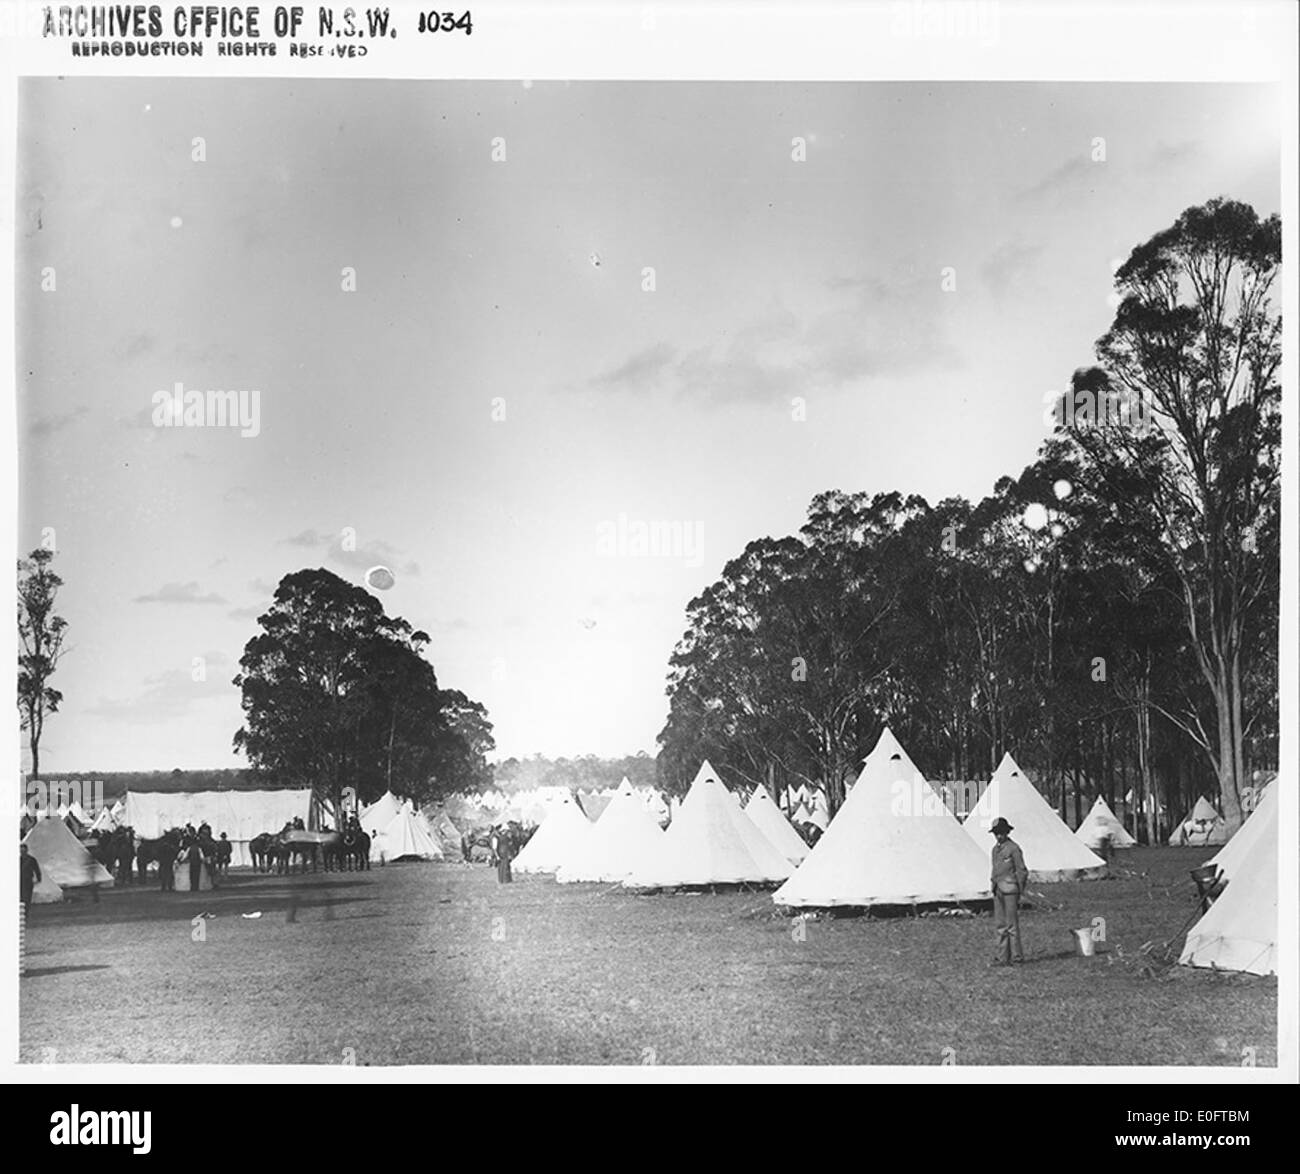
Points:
(148, 852)
(354, 850)
(260, 849)
(304, 845)
(115, 850)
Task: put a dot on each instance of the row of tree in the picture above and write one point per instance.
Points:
(1110, 615)
(337, 695)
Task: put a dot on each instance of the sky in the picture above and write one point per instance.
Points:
(495, 327)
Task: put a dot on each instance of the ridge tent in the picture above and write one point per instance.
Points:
(560, 838)
(710, 842)
(1239, 931)
(1101, 823)
(1203, 826)
(892, 843)
(1052, 851)
(242, 815)
(625, 836)
(1242, 846)
(767, 817)
(62, 858)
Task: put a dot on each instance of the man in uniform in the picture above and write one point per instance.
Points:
(1008, 879)
(29, 876)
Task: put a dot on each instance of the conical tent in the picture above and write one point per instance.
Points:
(444, 831)
(1242, 846)
(710, 842)
(801, 815)
(1203, 826)
(405, 836)
(1239, 932)
(103, 822)
(892, 843)
(380, 814)
(1052, 851)
(767, 817)
(62, 857)
(559, 838)
(622, 839)
(1101, 824)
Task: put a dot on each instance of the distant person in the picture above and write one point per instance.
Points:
(29, 876)
(503, 849)
(467, 848)
(194, 857)
(1008, 879)
(166, 870)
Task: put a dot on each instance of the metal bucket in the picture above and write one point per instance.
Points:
(1083, 942)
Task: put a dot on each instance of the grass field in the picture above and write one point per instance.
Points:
(438, 964)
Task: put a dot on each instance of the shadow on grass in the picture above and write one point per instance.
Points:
(44, 971)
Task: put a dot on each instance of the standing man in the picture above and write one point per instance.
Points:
(504, 848)
(167, 867)
(29, 876)
(1008, 879)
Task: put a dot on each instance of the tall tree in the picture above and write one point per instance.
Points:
(1181, 429)
(40, 646)
(337, 694)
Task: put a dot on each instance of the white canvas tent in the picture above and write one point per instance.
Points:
(767, 817)
(559, 839)
(404, 837)
(1203, 826)
(1239, 932)
(242, 815)
(63, 859)
(379, 814)
(622, 839)
(104, 821)
(1101, 824)
(710, 842)
(1242, 846)
(1052, 851)
(892, 843)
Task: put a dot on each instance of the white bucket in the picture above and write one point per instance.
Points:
(1083, 942)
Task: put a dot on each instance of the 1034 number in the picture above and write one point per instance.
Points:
(445, 22)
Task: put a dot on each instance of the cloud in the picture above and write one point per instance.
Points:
(169, 695)
(49, 425)
(132, 346)
(179, 593)
(245, 613)
(1067, 177)
(644, 368)
(354, 557)
(877, 325)
(262, 587)
(1168, 155)
(1007, 264)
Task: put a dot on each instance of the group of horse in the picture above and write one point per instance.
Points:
(345, 851)
(125, 855)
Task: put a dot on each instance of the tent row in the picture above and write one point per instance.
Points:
(894, 841)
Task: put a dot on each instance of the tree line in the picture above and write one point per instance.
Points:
(1110, 614)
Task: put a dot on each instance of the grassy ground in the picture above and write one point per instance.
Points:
(438, 964)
